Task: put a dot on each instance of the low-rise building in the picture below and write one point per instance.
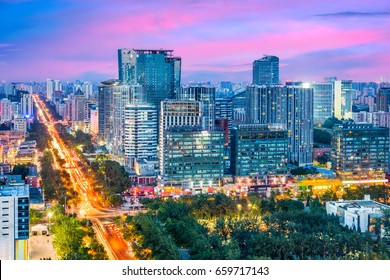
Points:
(360, 215)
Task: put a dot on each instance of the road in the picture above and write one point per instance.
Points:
(89, 206)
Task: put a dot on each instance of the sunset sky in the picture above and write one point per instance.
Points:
(217, 40)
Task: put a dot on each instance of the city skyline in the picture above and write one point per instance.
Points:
(67, 40)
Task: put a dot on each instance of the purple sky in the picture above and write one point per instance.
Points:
(70, 39)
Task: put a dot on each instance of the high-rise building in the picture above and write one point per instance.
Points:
(49, 89)
(300, 124)
(360, 153)
(177, 113)
(94, 121)
(383, 100)
(106, 109)
(123, 95)
(26, 105)
(158, 71)
(266, 104)
(140, 132)
(259, 152)
(266, 71)
(77, 100)
(193, 157)
(322, 102)
(14, 218)
(204, 94)
(343, 94)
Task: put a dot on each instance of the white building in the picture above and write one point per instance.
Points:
(20, 124)
(357, 215)
(94, 121)
(140, 132)
(49, 89)
(14, 218)
(27, 105)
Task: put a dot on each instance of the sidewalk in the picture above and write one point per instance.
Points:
(40, 246)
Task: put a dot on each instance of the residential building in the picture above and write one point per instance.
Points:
(383, 100)
(140, 132)
(14, 218)
(27, 106)
(20, 123)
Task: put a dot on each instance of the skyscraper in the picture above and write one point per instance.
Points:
(49, 89)
(300, 124)
(266, 104)
(343, 94)
(322, 102)
(266, 71)
(158, 71)
(204, 94)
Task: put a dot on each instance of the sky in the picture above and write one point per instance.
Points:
(217, 40)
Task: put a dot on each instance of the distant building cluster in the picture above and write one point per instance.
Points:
(204, 135)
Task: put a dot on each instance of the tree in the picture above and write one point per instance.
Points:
(321, 136)
(330, 122)
(21, 169)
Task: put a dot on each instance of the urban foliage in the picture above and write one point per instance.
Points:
(39, 133)
(21, 169)
(304, 171)
(330, 122)
(321, 136)
(217, 227)
(74, 239)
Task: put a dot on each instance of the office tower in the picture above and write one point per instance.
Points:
(259, 151)
(343, 94)
(383, 100)
(204, 94)
(20, 123)
(266, 71)
(239, 107)
(177, 113)
(14, 218)
(158, 71)
(266, 104)
(193, 157)
(300, 124)
(88, 106)
(360, 153)
(49, 89)
(322, 102)
(140, 132)
(27, 105)
(77, 110)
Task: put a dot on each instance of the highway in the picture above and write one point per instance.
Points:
(89, 206)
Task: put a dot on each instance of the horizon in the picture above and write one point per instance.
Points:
(69, 40)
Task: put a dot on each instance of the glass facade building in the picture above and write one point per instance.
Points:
(322, 102)
(266, 71)
(259, 151)
(193, 157)
(158, 71)
(360, 152)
